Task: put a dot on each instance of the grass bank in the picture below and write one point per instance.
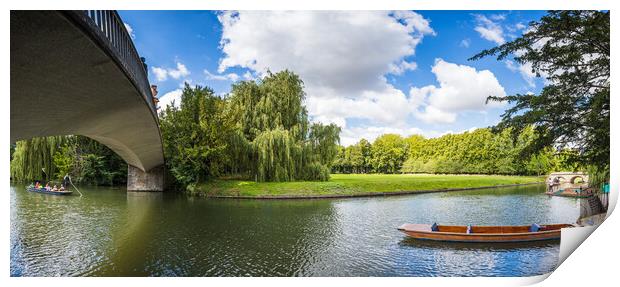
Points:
(342, 185)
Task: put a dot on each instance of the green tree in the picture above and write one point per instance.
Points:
(388, 153)
(259, 131)
(86, 160)
(571, 49)
(278, 142)
(195, 135)
(33, 159)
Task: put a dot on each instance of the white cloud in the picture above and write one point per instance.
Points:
(389, 106)
(222, 77)
(130, 31)
(342, 57)
(465, 43)
(498, 17)
(403, 66)
(248, 76)
(525, 70)
(162, 74)
(490, 30)
(181, 71)
(432, 114)
(461, 88)
(520, 26)
(170, 98)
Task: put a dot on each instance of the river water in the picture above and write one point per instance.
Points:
(112, 232)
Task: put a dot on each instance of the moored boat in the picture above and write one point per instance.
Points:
(571, 192)
(53, 192)
(469, 233)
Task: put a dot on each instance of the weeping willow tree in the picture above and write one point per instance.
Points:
(277, 155)
(260, 131)
(280, 143)
(33, 159)
(50, 158)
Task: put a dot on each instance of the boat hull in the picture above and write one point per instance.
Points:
(508, 234)
(42, 190)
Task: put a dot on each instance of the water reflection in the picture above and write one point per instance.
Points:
(110, 232)
(130, 236)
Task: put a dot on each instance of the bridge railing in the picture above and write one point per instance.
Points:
(109, 31)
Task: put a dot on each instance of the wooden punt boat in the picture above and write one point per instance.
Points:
(572, 192)
(485, 234)
(43, 190)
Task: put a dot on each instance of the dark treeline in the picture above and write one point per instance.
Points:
(260, 131)
(51, 158)
(477, 152)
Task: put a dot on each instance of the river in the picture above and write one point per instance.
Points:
(112, 232)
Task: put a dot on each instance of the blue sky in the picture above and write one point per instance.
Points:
(375, 72)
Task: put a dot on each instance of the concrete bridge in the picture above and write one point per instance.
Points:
(78, 73)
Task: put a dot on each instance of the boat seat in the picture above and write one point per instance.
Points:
(534, 228)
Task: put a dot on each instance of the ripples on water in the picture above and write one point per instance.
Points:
(110, 232)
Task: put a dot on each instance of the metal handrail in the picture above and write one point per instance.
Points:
(109, 31)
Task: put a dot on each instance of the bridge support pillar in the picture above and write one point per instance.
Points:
(152, 180)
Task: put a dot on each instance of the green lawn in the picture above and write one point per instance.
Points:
(356, 184)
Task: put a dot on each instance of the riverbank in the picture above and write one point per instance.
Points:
(354, 185)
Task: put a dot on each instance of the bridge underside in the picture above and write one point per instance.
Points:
(63, 83)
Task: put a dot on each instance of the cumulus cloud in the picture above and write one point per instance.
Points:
(490, 30)
(461, 88)
(172, 98)
(389, 106)
(343, 57)
(346, 51)
(180, 71)
(222, 77)
(130, 31)
(162, 74)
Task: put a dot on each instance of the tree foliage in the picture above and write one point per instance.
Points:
(475, 152)
(195, 135)
(388, 153)
(571, 49)
(33, 159)
(260, 131)
(51, 158)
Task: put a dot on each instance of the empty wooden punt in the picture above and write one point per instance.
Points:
(460, 233)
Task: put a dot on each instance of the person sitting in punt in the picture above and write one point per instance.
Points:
(37, 185)
(62, 188)
(47, 186)
(55, 188)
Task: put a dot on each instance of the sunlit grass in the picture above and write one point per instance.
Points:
(356, 184)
